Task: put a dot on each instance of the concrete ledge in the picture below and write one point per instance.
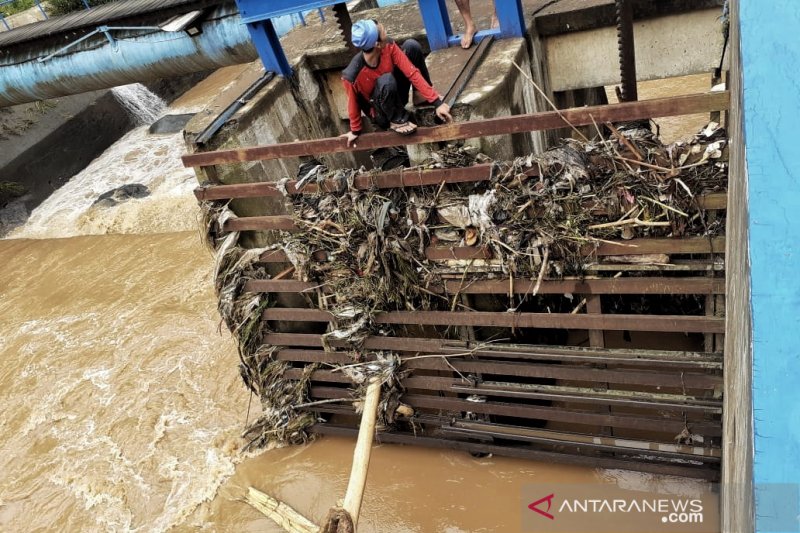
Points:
(666, 47)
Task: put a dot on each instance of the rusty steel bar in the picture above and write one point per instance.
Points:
(380, 180)
(676, 378)
(467, 432)
(585, 116)
(579, 395)
(627, 53)
(661, 424)
(691, 245)
(528, 452)
(615, 322)
(632, 285)
(648, 358)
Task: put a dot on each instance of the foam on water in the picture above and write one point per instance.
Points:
(138, 157)
(143, 105)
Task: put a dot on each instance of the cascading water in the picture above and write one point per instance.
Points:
(143, 105)
(138, 158)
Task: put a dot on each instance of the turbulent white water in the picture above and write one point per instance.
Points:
(143, 105)
(138, 157)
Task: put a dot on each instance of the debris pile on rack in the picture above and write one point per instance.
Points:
(538, 217)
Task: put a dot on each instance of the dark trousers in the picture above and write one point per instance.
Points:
(390, 96)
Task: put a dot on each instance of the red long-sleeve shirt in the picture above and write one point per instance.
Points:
(359, 81)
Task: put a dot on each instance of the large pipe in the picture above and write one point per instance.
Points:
(138, 56)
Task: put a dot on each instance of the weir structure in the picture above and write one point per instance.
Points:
(625, 398)
(592, 405)
(576, 415)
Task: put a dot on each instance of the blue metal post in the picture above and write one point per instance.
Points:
(771, 77)
(511, 17)
(302, 18)
(437, 23)
(86, 4)
(4, 21)
(321, 14)
(269, 48)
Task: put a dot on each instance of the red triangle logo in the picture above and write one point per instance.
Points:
(534, 506)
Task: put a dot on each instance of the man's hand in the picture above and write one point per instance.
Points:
(443, 112)
(351, 138)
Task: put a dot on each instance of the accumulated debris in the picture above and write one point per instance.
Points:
(538, 217)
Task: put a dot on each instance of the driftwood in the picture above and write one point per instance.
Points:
(340, 519)
(280, 513)
(345, 519)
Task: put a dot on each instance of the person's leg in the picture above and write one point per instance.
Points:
(413, 51)
(390, 109)
(469, 24)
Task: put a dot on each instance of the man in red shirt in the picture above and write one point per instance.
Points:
(378, 80)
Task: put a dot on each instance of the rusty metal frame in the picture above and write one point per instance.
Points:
(586, 116)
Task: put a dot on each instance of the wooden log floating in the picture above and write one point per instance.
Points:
(584, 116)
(674, 323)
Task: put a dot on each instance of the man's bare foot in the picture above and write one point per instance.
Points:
(406, 128)
(466, 39)
(495, 21)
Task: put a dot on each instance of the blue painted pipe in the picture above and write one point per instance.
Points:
(141, 56)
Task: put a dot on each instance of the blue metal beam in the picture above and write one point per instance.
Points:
(440, 31)
(771, 63)
(269, 47)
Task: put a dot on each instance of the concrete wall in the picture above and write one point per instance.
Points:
(47, 143)
(770, 52)
(670, 46)
(736, 499)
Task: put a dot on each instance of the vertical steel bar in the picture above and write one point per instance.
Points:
(627, 55)
(342, 16)
(437, 23)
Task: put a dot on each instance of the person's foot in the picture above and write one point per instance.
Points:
(495, 22)
(405, 128)
(469, 34)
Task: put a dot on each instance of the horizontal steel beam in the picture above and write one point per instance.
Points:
(527, 452)
(286, 222)
(632, 285)
(584, 116)
(669, 323)
(522, 352)
(661, 424)
(644, 246)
